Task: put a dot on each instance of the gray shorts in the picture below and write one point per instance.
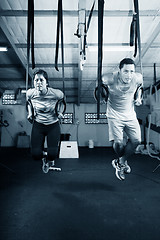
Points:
(117, 128)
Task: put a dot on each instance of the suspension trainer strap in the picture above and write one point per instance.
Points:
(86, 30)
(90, 15)
(133, 30)
(60, 28)
(62, 50)
(59, 18)
(30, 33)
(133, 33)
(100, 50)
(85, 40)
(30, 38)
(155, 75)
(138, 37)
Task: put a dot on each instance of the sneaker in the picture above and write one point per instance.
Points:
(51, 163)
(127, 167)
(44, 153)
(45, 166)
(119, 169)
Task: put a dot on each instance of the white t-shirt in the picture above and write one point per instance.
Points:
(120, 104)
(44, 105)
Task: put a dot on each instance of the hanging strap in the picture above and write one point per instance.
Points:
(137, 33)
(133, 30)
(59, 18)
(62, 50)
(90, 15)
(100, 48)
(30, 32)
(86, 29)
(60, 27)
(155, 76)
(30, 38)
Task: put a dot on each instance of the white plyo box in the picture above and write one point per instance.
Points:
(68, 149)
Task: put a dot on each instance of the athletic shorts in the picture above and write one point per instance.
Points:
(117, 128)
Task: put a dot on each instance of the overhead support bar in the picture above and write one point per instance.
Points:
(74, 13)
(76, 45)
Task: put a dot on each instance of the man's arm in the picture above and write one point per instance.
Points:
(139, 92)
(108, 79)
(139, 79)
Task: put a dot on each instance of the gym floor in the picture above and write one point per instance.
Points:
(85, 201)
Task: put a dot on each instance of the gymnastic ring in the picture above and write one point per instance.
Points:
(60, 107)
(29, 103)
(136, 92)
(103, 94)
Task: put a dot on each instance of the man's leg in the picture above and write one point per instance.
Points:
(119, 148)
(116, 136)
(129, 149)
(134, 133)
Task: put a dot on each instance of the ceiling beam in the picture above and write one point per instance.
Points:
(66, 65)
(11, 66)
(47, 45)
(149, 42)
(67, 45)
(72, 65)
(21, 58)
(40, 65)
(74, 13)
(75, 45)
(50, 79)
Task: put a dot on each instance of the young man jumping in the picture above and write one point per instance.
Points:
(125, 92)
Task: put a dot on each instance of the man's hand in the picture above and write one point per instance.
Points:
(138, 96)
(60, 115)
(138, 102)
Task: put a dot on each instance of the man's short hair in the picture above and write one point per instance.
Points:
(126, 61)
(43, 73)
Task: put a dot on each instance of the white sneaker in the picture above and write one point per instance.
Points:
(119, 169)
(127, 168)
(45, 166)
(51, 163)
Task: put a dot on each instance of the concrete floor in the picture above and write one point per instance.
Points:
(85, 201)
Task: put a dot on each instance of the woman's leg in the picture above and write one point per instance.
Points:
(53, 139)
(37, 141)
